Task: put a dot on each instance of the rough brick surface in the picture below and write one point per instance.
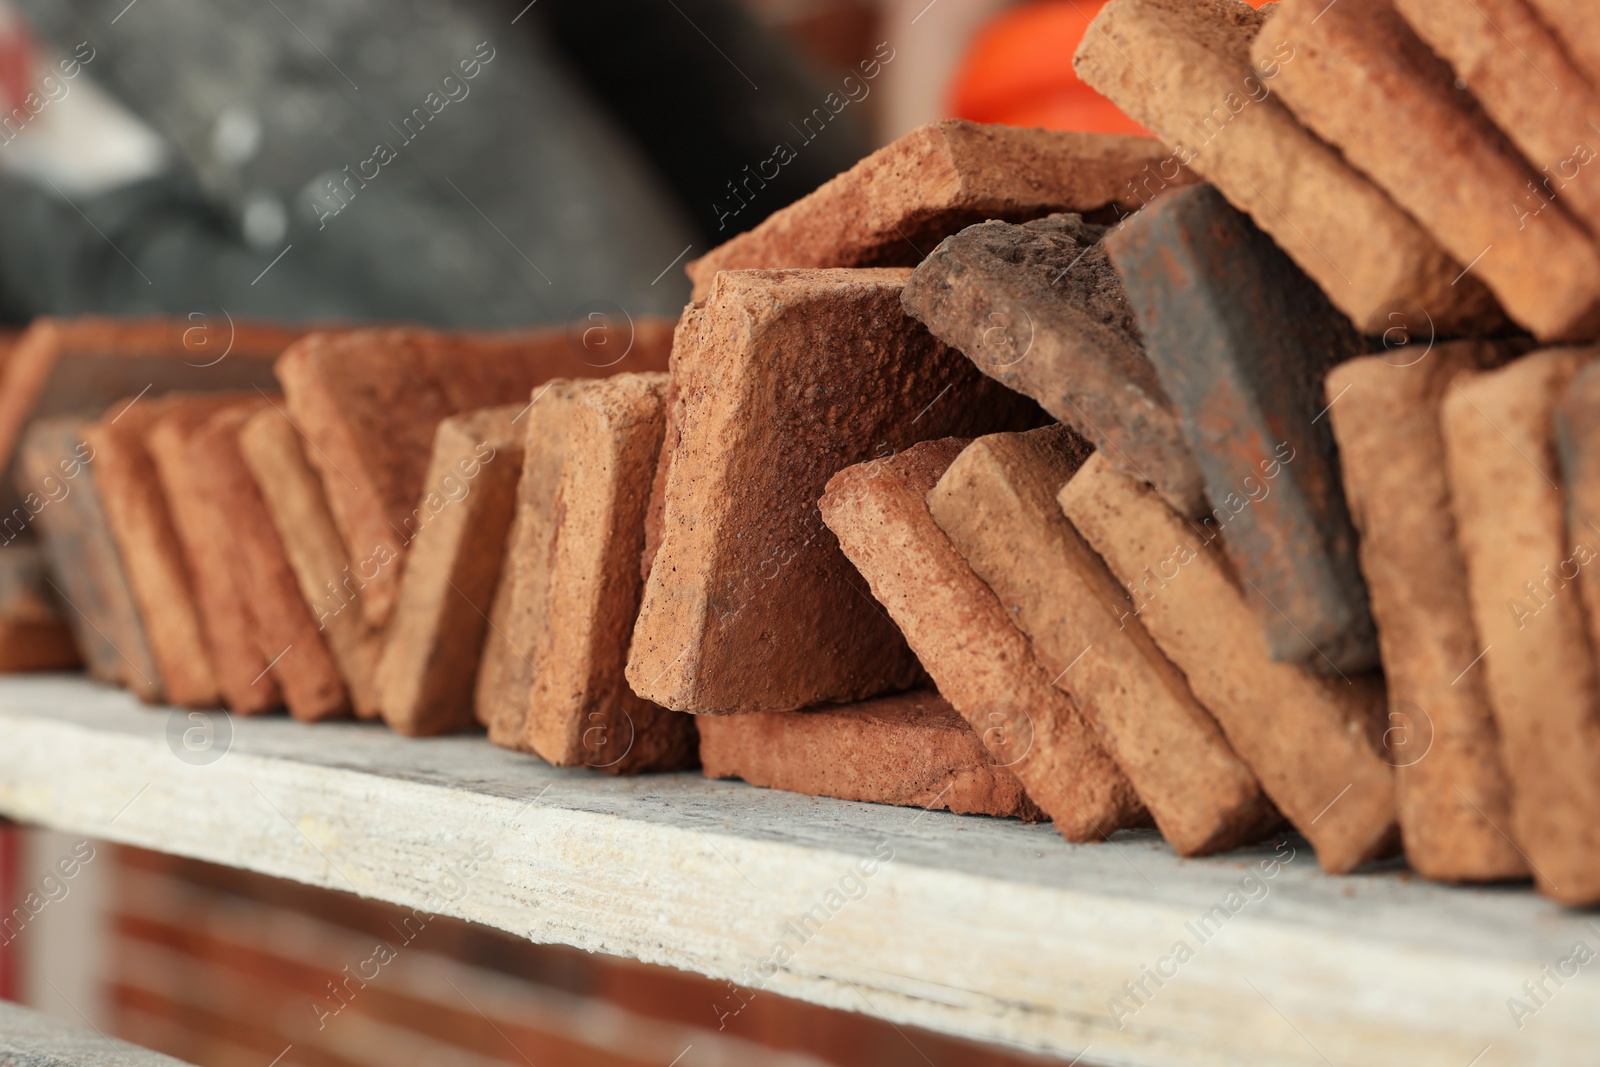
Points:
(329, 580)
(142, 524)
(582, 711)
(793, 376)
(997, 504)
(1521, 75)
(370, 400)
(1452, 794)
(963, 635)
(1313, 742)
(61, 367)
(205, 531)
(34, 635)
(912, 749)
(1521, 565)
(1040, 308)
(1183, 70)
(1573, 22)
(436, 634)
(505, 670)
(890, 209)
(286, 632)
(1242, 341)
(1365, 82)
(86, 567)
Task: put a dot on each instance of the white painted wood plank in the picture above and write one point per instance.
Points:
(973, 926)
(29, 1039)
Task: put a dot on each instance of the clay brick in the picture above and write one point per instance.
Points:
(1366, 83)
(912, 749)
(1242, 341)
(61, 367)
(1313, 742)
(793, 376)
(1183, 69)
(997, 504)
(34, 635)
(1536, 655)
(205, 532)
(286, 632)
(435, 637)
(85, 565)
(890, 209)
(582, 711)
(1573, 22)
(142, 523)
(369, 402)
(1450, 789)
(329, 581)
(506, 669)
(1521, 75)
(1040, 308)
(980, 661)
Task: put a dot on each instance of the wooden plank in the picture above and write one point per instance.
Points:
(987, 928)
(29, 1039)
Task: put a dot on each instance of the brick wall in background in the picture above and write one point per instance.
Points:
(229, 969)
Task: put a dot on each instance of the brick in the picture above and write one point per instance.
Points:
(890, 209)
(1366, 83)
(1313, 742)
(1242, 341)
(329, 581)
(85, 565)
(793, 376)
(205, 532)
(911, 749)
(1537, 660)
(582, 711)
(981, 663)
(436, 634)
(997, 504)
(285, 629)
(1451, 792)
(1573, 22)
(1521, 75)
(685, 341)
(1040, 308)
(34, 635)
(1183, 69)
(505, 671)
(72, 366)
(370, 400)
(142, 523)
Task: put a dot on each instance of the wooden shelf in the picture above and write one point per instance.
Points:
(980, 927)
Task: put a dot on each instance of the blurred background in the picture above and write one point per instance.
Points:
(465, 163)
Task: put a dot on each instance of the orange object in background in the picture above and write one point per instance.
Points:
(1018, 71)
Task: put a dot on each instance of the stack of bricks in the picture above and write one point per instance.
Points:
(1219, 486)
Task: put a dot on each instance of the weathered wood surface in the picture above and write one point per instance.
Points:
(29, 1039)
(982, 927)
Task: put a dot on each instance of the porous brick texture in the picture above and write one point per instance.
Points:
(1183, 69)
(1522, 562)
(330, 582)
(435, 636)
(1040, 308)
(997, 504)
(911, 749)
(1242, 341)
(1366, 83)
(1519, 72)
(1573, 22)
(582, 711)
(981, 663)
(85, 564)
(369, 402)
(1453, 798)
(1314, 742)
(792, 376)
(286, 632)
(890, 209)
(205, 532)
